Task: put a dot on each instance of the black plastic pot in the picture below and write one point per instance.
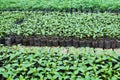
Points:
(13, 37)
(55, 41)
(8, 41)
(118, 43)
(100, 43)
(107, 44)
(2, 41)
(25, 41)
(18, 39)
(32, 41)
(94, 43)
(43, 41)
(61, 42)
(76, 43)
(82, 43)
(113, 44)
(37, 41)
(89, 43)
(49, 41)
(68, 42)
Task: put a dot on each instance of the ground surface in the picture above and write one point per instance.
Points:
(65, 50)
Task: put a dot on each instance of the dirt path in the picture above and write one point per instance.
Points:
(65, 50)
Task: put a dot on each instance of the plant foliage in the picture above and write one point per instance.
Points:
(52, 65)
(60, 5)
(80, 25)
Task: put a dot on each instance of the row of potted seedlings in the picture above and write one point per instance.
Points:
(57, 41)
